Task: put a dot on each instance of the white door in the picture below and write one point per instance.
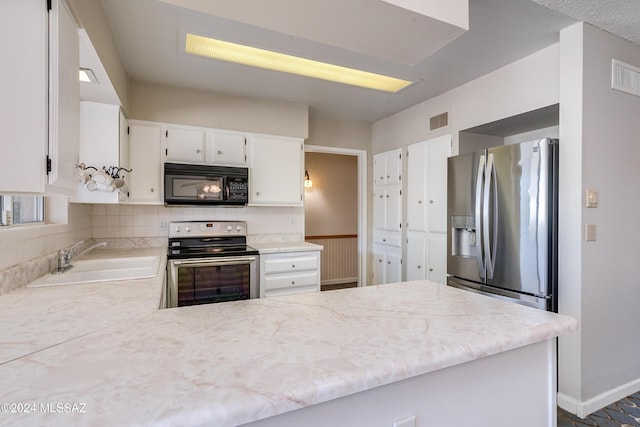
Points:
(439, 151)
(379, 267)
(145, 160)
(184, 144)
(393, 166)
(394, 266)
(225, 148)
(393, 208)
(276, 173)
(416, 256)
(417, 200)
(437, 258)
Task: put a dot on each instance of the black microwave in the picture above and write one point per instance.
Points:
(196, 184)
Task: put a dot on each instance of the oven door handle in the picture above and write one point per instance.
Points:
(212, 261)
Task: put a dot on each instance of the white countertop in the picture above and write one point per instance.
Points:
(276, 247)
(232, 363)
(33, 319)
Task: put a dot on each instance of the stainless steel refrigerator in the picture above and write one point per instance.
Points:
(502, 220)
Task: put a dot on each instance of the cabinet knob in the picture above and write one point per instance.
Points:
(293, 266)
(384, 240)
(430, 201)
(389, 262)
(257, 193)
(388, 176)
(152, 190)
(419, 202)
(419, 266)
(219, 151)
(431, 269)
(198, 151)
(387, 196)
(379, 260)
(293, 283)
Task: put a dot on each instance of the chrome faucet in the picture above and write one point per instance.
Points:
(66, 255)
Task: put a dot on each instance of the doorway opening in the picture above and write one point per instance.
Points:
(335, 213)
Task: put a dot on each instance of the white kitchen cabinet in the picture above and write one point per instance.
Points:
(388, 208)
(103, 143)
(225, 148)
(387, 167)
(31, 34)
(288, 273)
(64, 100)
(437, 263)
(275, 170)
(427, 209)
(184, 144)
(145, 182)
(417, 256)
(387, 264)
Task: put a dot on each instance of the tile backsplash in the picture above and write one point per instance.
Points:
(136, 221)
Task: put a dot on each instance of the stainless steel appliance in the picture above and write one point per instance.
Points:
(193, 184)
(210, 262)
(502, 215)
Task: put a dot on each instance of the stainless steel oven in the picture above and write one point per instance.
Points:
(210, 262)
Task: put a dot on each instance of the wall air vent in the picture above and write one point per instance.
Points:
(625, 77)
(439, 121)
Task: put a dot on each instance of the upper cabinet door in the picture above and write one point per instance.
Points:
(145, 181)
(184, 144)
(387, 167)
(226, 148)
(439, 151)
(276, 170)
(64, 100)
(417, 197)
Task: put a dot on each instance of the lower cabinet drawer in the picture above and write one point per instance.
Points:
(291, 281)
(290, 264)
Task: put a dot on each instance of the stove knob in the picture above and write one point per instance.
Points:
(178, 229)
(239, 228)
(187, 229)
(229, 228)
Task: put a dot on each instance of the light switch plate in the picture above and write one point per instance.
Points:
(591, 198)
(589, 232)
(405, 422)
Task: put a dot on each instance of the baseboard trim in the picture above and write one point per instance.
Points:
(339, 281)
(583, 409)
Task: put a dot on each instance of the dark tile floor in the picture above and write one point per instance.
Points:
(623, 413)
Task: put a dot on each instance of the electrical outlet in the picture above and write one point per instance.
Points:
(163, 225)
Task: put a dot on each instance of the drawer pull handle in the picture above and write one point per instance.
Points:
(293, 266)
(293, 283)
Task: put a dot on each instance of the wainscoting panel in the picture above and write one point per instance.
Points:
(339, 259)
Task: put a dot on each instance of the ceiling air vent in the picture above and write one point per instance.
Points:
(439, 121)
(625, 77)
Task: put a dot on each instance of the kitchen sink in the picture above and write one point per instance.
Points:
(102, 270)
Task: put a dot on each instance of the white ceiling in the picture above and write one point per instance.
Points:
(148, 35)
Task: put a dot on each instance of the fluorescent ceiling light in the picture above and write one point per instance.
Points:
(240, 54)
(87, 76)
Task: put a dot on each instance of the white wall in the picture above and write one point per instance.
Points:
(610, 289)
(172, 104)
(524, 85)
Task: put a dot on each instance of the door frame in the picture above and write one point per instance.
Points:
(362, 200)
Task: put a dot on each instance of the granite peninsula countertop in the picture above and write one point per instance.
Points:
(232, 363)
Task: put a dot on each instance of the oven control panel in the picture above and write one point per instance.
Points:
(207, 228)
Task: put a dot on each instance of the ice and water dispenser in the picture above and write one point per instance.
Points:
(463, 237)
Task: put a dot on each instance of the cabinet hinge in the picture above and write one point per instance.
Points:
(128, 130)
(401, 192)
(48, 164)
(166, 151)
(400, 155)
(166, 133)
(49, 5)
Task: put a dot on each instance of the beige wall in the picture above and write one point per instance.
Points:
(172, 104)
(331, 205)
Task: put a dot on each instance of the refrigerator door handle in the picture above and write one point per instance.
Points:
(490, 212)
(479, 223)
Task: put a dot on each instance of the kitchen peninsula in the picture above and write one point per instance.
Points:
(355, 357)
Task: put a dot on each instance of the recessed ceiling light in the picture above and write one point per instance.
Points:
(87, 76)
(240, 54)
